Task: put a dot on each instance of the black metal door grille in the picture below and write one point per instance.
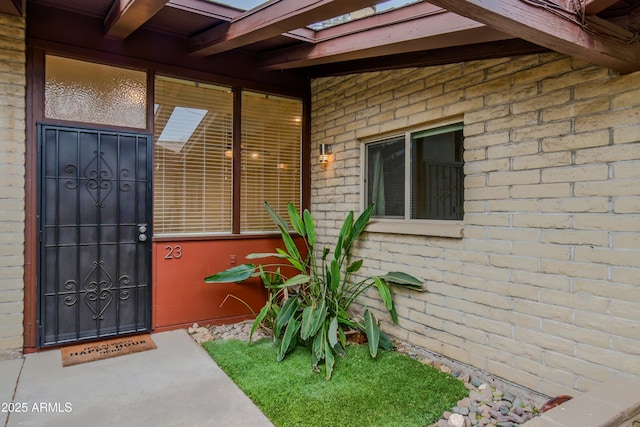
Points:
(94, 217)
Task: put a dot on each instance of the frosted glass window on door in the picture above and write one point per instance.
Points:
(82, 91)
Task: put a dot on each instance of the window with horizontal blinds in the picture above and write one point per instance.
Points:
(271, 158)
(192, 158)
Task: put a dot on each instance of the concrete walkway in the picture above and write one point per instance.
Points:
(177, 384)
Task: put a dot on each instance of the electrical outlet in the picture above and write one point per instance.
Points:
(232, 259)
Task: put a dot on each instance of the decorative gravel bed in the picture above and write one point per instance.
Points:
(491, 403)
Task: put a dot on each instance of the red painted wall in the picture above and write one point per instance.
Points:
(180, 295)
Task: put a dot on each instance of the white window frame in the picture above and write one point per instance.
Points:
(406, 225)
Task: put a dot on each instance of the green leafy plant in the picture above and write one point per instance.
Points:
(313, 305)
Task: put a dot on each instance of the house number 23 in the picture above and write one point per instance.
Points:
(173, 252)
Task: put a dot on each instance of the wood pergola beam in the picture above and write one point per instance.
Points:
(126, 16)
(417, 27)
(270, 20)
(522, 19)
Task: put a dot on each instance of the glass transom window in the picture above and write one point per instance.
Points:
(86, 92)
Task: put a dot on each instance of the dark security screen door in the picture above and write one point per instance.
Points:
(94, 213)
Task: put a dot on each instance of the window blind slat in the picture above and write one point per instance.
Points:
(271, 158)
(193, 171)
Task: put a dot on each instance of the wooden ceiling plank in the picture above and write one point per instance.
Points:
(433, 31)
(522, 19)
(270, 20)
(126, 16)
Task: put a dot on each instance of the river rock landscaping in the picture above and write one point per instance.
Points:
(487, 404)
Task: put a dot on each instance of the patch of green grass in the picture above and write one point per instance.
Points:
(392, 390)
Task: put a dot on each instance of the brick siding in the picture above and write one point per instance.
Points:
(12, 168)
(544, 287)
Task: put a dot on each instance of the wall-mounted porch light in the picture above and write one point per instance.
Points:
(325, 150)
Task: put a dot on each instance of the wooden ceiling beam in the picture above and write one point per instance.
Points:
(428, 58)
(423, 27)
(11, 7)
(524, 20)
(270, 20)
(126, 16)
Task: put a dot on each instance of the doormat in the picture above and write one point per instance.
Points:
(88, 352)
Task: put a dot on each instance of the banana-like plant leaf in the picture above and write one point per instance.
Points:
(271, 279)
(319, 318)
(354, 266)
(332, 334)
(266, 255)
(332, 331)
(318, 347)
(277, 219)
(394, 314)
(259, 318)
(403, 279)
(292, 249)
(385, 294)
(314, 360)
(372, 329)
(343, 338)
(329, 360)
(284, 232)
(385, 342)
(313, 318)
(234, 274)
(288, 339)
(343, 235)
(305, 328)
(335, 274)
(310, 227)
(359, 225)
(297, 264)
(296, 220)
(286, 313)
(298, 279)
(327, 274)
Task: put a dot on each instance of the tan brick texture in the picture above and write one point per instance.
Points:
(543, 289)
(12, 168)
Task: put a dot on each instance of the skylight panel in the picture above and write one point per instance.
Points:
(179, 128)
(240, 4)
(362, 13)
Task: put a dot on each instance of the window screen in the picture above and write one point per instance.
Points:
(426, 184)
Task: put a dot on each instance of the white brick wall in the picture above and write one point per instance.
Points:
(544, 287)
(12, 170)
